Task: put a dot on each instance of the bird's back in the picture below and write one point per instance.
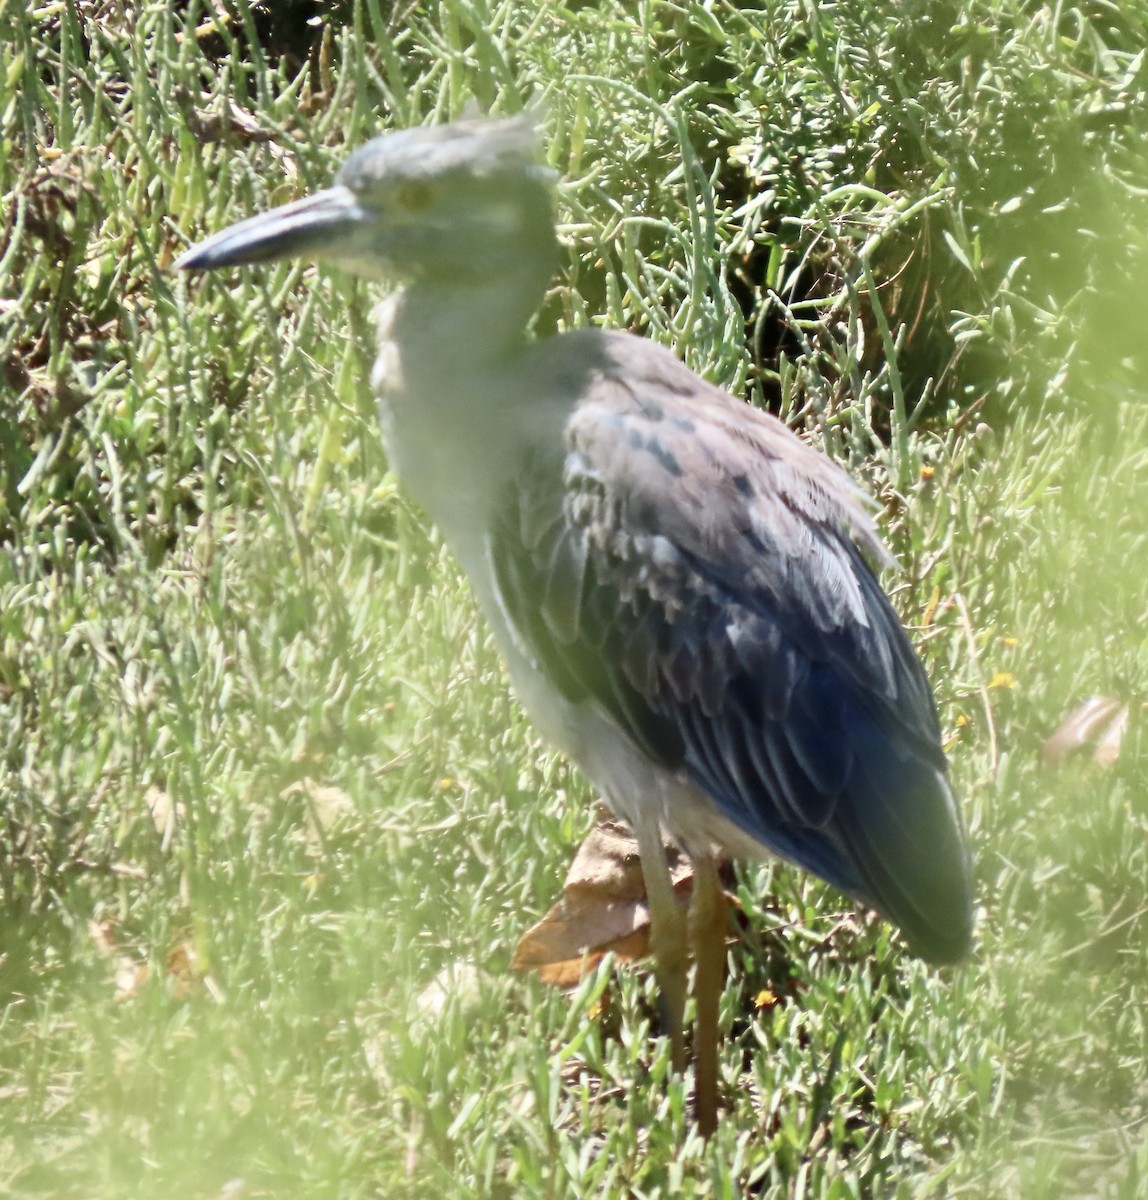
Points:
(689, 568)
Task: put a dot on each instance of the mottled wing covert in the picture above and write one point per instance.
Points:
(689, 567)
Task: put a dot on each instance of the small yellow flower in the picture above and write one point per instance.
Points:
(1003, 679)
(764, 999)
(931, 608)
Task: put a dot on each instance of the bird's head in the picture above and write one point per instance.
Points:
(451, 203)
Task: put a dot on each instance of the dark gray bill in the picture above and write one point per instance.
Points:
(317, 227)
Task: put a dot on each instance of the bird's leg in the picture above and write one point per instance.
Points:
(669, 938)
(707, 927)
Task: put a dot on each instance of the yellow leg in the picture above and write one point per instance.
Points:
(707, 928)
(668, 939)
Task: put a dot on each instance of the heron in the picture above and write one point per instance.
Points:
(685, 592)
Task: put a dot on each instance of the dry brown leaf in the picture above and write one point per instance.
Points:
(602, 908)
(166, 814)
(460, 982)
(326, 806)
(130, 977)
(228, 122)
(608, 862)
(1100, 723)
(183, 968)
(103, 935)
(128, 973)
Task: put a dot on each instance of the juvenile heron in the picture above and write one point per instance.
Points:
(679, 585)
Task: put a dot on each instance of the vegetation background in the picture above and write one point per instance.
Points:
(270, 824)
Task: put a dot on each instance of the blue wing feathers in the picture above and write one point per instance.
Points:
(761, 658)
(818, 738)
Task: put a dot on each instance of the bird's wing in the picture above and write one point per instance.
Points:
(690, 567)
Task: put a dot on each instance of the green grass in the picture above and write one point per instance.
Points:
(916, 230)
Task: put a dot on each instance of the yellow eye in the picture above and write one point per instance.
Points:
(414, 195)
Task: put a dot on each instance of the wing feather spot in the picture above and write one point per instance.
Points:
(692, 570)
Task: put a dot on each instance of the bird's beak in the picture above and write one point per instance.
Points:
(327, 225)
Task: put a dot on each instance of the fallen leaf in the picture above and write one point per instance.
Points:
(228, 122)
(103, 937)
(608, 862)
(326, 806)
(1100, 722)
(129, 974)
(1108, 744)
(130, 977)
(166, 814)
(458, 981)
(602, 908)
(183, 968)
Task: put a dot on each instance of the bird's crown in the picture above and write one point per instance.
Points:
(475, 149)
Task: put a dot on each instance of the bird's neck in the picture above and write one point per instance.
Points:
(445, 353)
(466, 323)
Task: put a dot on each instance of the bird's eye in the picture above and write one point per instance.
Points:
(414, 196)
